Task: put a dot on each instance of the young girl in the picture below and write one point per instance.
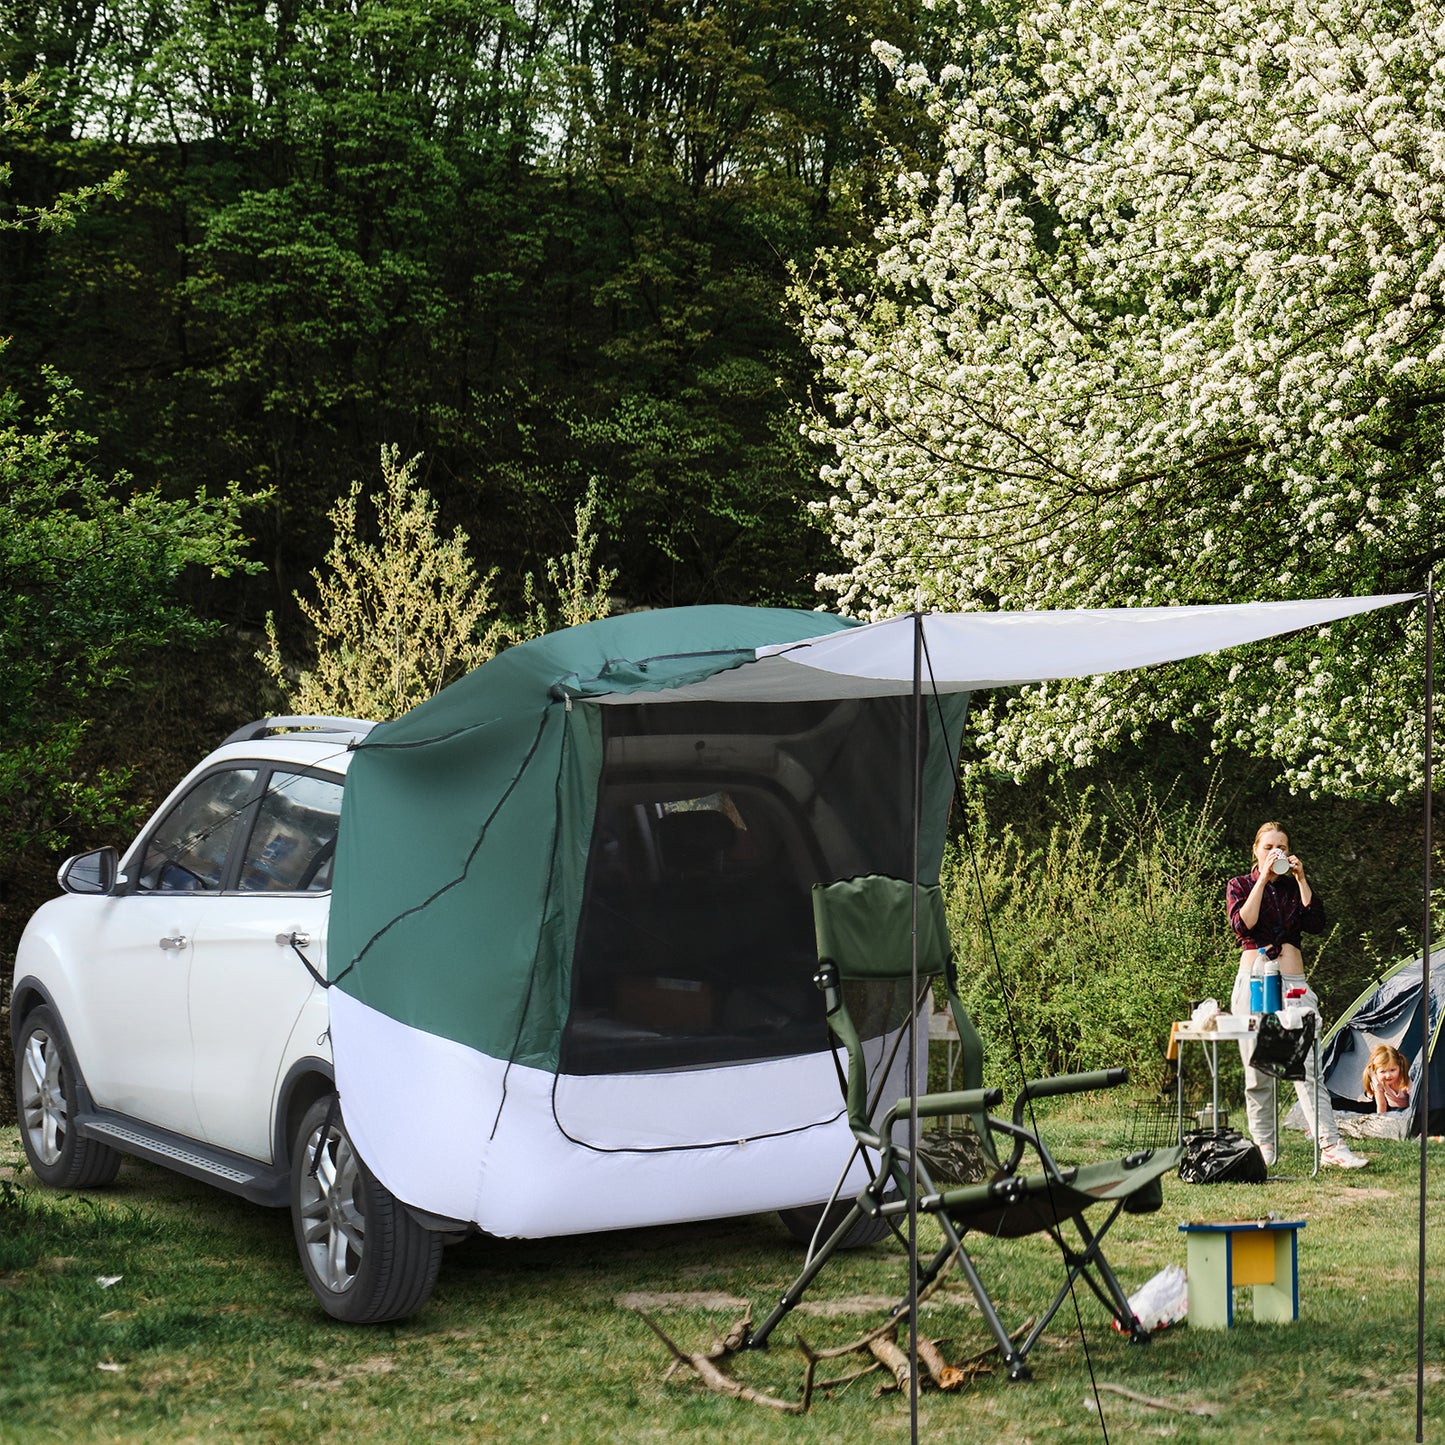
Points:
(1387, 1079)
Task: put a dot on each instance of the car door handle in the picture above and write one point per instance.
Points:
(294, 940)
(178, 942)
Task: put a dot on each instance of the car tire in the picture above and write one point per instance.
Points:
(366, 1259)
(47, 1096)
(802, 1224)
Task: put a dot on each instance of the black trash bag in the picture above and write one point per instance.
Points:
(1223, 1158)
(1281, 1051)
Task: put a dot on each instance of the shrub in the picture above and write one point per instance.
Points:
(1078, 954)
(395, 620)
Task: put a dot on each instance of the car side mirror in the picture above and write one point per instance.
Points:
(93, 872)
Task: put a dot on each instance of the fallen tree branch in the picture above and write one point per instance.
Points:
(705, 1364)
(889, 1326)
(988, 1350)
(1207, 1410)
(944, 1375)
(881, 1343)
(839, 1381)
(887, 1353)
(735, 1338)
(810, 1380)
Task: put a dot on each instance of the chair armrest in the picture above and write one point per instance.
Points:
(960, 1101)
(1023, 1139)
(931, 1106)
(1067, 1084)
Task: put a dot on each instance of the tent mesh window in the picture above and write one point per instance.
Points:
(695, 945)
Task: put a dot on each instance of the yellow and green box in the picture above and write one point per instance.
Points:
(1263, 1253)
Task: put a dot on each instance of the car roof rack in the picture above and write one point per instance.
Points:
(326, 726)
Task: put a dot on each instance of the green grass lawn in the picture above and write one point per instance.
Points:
(210, 1333)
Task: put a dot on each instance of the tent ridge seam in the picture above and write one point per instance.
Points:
(570, 684)
(364, 746)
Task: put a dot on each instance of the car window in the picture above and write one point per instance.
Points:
(294, 839)
(187, 852)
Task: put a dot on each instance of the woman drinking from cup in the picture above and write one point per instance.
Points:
(1269, 909)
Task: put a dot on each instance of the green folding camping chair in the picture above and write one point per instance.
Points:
(865, 928)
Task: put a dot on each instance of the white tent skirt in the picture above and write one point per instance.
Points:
(525, 1153)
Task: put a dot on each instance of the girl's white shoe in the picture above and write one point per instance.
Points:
(1342, 1156)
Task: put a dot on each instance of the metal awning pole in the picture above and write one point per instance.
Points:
(917, 804)
(1422, 1108)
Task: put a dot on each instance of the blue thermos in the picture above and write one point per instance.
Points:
(1256, 983)
(1273, 998)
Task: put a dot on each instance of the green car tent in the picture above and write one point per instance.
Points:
(571, 940)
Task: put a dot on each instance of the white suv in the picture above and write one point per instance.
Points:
(172, 1006)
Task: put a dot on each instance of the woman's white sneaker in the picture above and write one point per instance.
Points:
(1342, 1156)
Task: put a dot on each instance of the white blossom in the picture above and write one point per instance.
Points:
(1167, 326)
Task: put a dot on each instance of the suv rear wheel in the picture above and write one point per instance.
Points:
(46, 1096)
(366, 1259)
(803, 1224)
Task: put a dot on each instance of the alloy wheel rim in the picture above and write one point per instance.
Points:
(44, 1115)
(333, 1225)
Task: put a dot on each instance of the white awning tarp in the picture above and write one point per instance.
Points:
(969, 650)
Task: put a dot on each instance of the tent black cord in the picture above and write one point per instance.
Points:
(321, 1137)
(361, 745)
(295, 943)
(466, 866)
(541, 922)
(1008, 1008)
(273, 789)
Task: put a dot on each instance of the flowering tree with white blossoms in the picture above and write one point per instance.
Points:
(1168, 326)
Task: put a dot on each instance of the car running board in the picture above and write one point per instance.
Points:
(251, 1179)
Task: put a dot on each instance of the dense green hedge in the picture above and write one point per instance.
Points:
(1089, 911)
(1077, 951)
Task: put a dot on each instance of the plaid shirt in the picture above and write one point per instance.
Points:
(1282, 916)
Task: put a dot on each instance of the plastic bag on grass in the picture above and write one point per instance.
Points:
(1162, 1301)
(1223, 1158)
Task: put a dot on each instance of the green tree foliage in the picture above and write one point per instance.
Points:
(717, 144)
(1078, 949)
(90, 569)
(579, 586)
(1104, 899)
(537, 245)
(1165, 328)
(395, 620)
(20, 103)
(90, 566)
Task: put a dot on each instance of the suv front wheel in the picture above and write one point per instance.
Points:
(46, 1097)
(366, 1259)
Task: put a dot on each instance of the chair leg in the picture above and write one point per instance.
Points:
(1082, 1264)
(1115, 1301)
(758, 1339)
(1013, 1357)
